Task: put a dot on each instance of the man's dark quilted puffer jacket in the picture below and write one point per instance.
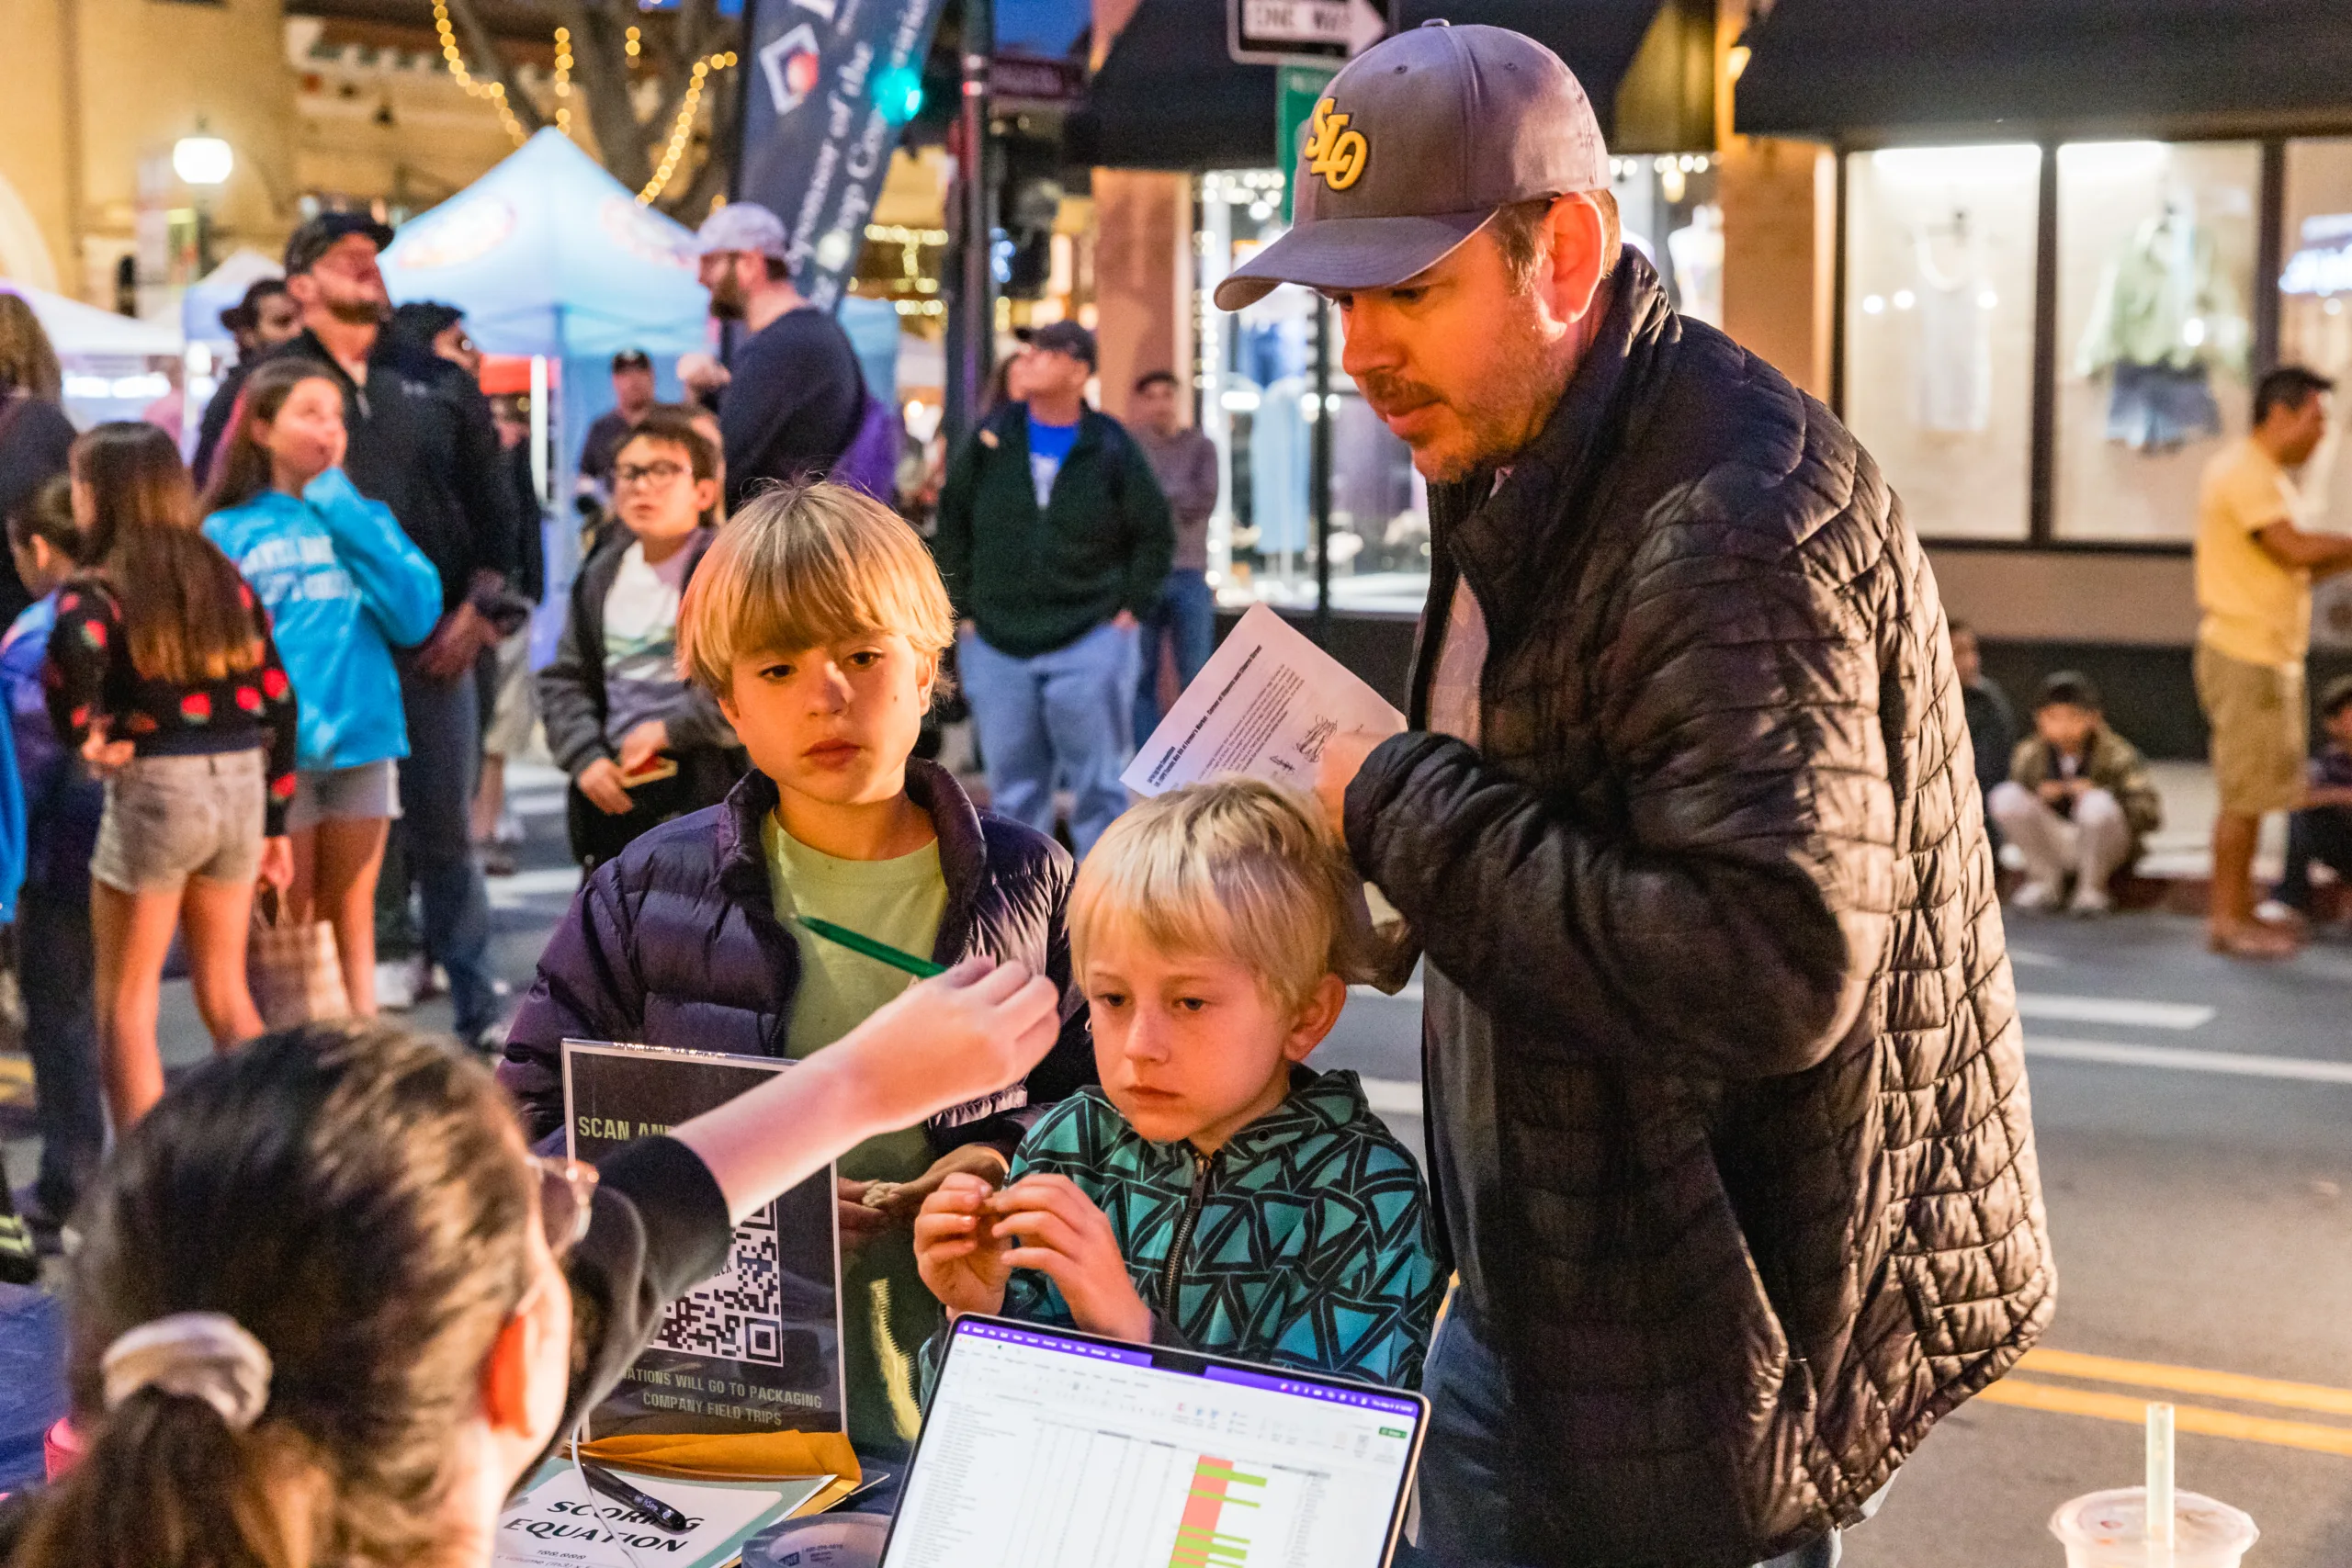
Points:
(677, 942)
(1717, 882)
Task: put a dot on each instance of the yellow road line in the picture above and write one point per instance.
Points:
(2026, 1395)
(2189, 1380)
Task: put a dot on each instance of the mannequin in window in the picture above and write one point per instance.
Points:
(1953, 385)
(2162, 322)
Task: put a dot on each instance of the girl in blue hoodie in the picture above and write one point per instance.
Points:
(343, 586)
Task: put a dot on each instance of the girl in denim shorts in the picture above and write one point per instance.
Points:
(161, 673)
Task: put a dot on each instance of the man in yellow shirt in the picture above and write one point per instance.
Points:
(2254, 567)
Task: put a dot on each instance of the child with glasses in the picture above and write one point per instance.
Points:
(643, 744)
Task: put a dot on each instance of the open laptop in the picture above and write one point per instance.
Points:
(1051, 1448)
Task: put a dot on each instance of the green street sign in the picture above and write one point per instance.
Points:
(1298, 89)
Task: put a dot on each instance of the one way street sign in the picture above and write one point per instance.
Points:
(1278, 32)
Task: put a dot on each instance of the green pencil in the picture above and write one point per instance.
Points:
(881, 952)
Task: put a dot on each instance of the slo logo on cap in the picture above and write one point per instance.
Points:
(1334, 152)
(1469, 119)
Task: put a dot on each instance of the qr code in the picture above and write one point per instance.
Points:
(737, 1315)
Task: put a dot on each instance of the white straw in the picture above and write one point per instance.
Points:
(2160, 1512)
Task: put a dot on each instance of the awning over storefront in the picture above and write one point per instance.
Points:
(1169, 96)
(1871, 70)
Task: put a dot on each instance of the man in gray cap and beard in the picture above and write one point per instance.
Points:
(1727, 1107)
(795, 399)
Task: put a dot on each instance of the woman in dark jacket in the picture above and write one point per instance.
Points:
(34, 431)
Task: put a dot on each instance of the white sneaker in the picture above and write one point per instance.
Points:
(2091, 902)
(395, 984)
(2036, 896)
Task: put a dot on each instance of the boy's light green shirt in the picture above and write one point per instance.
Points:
(886, 1312)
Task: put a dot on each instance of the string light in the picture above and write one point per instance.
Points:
(636, 44)
(493, 91)
(682, 129)
(563, 80)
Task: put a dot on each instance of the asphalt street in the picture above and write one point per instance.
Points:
(2192, 1117)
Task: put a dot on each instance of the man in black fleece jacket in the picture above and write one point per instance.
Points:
(421, 442)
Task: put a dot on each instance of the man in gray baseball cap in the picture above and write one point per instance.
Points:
(793, 398)
(1728, 1124)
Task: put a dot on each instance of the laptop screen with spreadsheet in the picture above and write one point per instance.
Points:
(1045, 1449)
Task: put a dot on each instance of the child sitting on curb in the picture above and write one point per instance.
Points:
(2077, 802)
(1214, 1193)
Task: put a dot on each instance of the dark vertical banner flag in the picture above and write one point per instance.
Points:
(832, 82)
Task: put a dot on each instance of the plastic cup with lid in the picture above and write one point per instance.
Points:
(2110, 1529)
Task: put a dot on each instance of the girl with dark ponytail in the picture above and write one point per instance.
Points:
(328, 1311)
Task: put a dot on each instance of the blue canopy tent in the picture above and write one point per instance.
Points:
(553, 258)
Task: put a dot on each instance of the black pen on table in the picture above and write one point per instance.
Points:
(628, 1497)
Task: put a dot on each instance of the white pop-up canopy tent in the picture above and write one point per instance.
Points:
(116, 367)
(219, 289)
(84, 331)
(550, 256)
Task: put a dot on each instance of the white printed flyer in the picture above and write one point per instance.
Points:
(1262, 707)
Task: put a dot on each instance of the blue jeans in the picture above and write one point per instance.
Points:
(437, 829)
(57, 969)
(1187, 616)
(2320, 834)
(1464, 1509)
(1063, 714)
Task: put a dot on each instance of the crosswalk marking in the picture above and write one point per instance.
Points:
(2122, 1012)
(2175, 1058)
(1402, 1097)
(526, 888)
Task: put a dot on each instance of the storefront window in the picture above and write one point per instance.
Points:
(2155, 263)
(1940, 265)
(2315, 305)
(1257, 377)
(1666, 206)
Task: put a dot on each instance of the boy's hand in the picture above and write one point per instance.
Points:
(643, 743)
(906, 1199)
(1057, 1230)
(600, 781)
(277, 867)
(955, 1250)
(857, 1221)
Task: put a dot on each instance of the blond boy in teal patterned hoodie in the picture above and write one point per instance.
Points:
(1215, 1193)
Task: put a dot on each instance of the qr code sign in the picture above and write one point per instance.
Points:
(737, 1315)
